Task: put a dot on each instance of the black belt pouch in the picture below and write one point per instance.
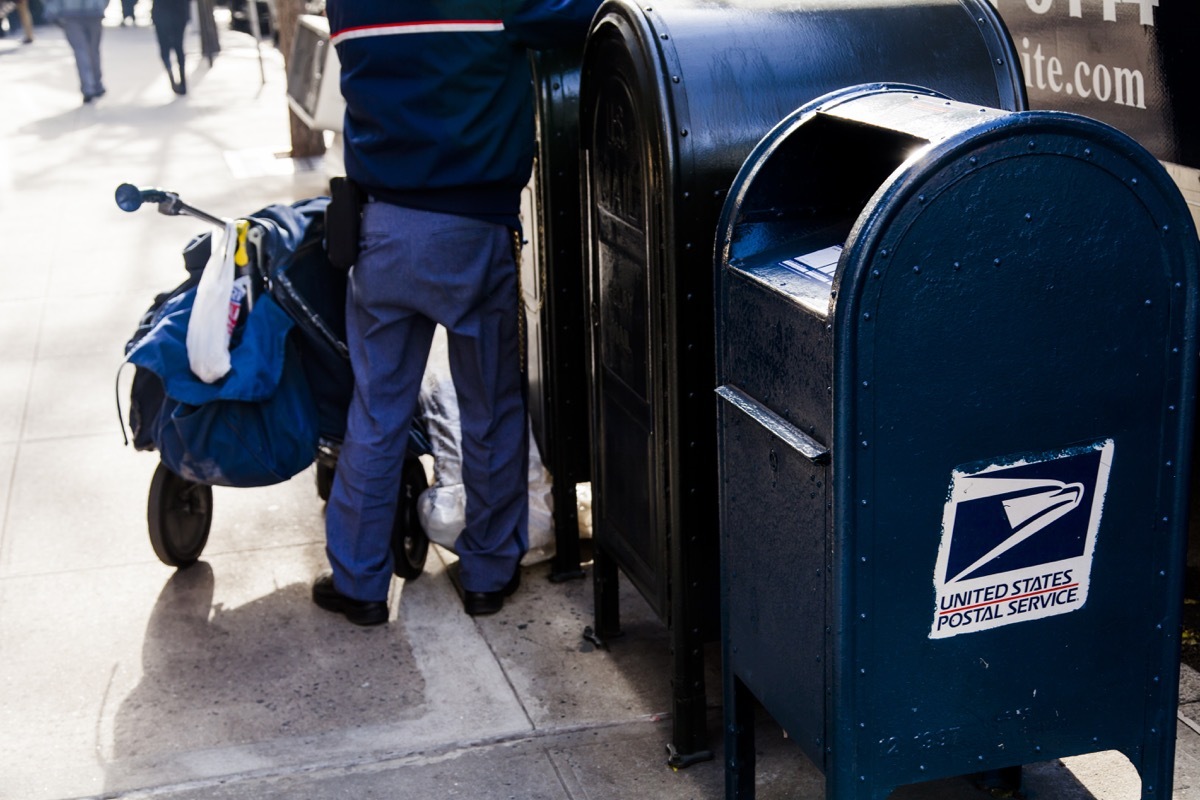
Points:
(343, 216)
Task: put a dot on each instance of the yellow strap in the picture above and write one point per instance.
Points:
(240, 257)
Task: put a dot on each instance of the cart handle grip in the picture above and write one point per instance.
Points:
(131, 198)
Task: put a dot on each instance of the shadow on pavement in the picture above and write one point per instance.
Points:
(216, 677)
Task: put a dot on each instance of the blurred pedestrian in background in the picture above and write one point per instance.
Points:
(81, 22)
(127, 7)
(170, 18)
(22, 9)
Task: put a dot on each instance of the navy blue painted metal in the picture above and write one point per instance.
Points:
(1016, 297)
(553, 299)
(672, 98)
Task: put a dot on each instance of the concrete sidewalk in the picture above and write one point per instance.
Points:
(121, 678)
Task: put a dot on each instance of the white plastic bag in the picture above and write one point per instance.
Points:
(541, 508)
(443, 506)
(213, 314)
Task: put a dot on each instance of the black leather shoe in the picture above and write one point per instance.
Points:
(360, 612)
(480, 604)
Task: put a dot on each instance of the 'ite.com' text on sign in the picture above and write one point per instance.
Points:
(1119, 61)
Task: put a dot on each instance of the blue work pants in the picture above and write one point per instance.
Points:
(415, 270)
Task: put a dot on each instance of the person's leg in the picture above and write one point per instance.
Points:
(76, 34)
(26, 20)
(177, 46)
(485, 362)
(389, 343)
(164, 49)
(93, 28)
(165, 44)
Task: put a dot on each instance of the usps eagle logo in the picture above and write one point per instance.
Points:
(1018, 538)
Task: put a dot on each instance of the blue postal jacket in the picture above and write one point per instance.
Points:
(439, 97)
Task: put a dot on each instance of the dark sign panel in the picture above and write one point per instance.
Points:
(1124, 62)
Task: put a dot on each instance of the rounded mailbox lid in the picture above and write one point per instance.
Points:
(1045, 192)
(953, 181)
(696, 83)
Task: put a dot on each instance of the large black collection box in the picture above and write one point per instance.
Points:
(673, 96)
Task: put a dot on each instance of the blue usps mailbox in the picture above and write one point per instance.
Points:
(956, 360)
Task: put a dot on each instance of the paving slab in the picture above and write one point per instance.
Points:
(20, 321)
(70, 509)
(135, 676)
(15, 374)
(562, 678)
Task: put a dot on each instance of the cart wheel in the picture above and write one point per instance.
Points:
(410, 545)
(324, 480)
(179, 513)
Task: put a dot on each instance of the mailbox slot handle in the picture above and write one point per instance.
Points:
(797, 439)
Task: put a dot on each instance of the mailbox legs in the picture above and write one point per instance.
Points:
(607, 611)
(689, 733)
(566, 563)
(689, 736)
(739, 740)
(1157, 767)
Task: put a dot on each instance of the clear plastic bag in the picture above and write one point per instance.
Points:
(442, 507)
